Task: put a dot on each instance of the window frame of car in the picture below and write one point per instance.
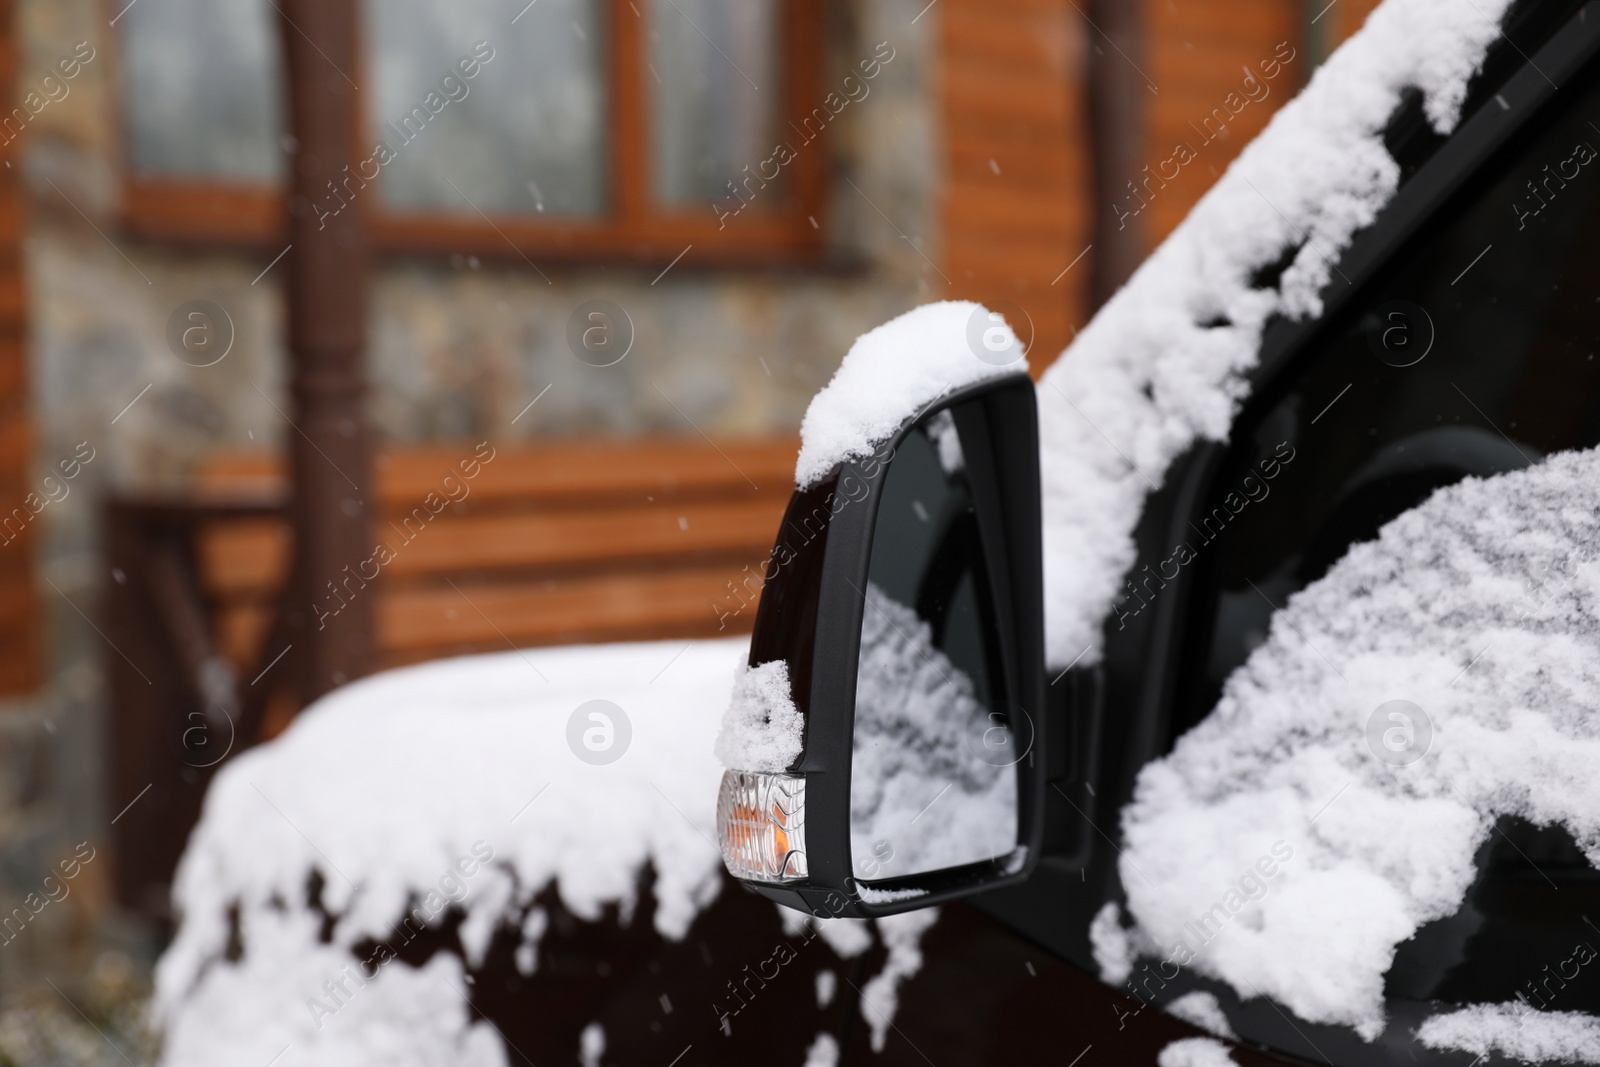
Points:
(788, 230)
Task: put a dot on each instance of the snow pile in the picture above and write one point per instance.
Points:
(762, 730)
(1518, 1032)
(1110, 944)
(824, 1052)
(880, 997)
(386, 785)
(1195, 1052)
(921, 796)
(1201, 1009)
(227, 1019)
(1482, 606)
(591, 1045)
(890, 373)
(827, 983)
(461, 783)
(1162, 365)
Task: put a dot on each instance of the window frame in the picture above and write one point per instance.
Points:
(635, 229)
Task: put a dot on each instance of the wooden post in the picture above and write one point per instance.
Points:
(1118, 96)
(329, 612)
(21, 635)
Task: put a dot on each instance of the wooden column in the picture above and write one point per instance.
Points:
(329, 614)
(1117, 99)
(21, 667)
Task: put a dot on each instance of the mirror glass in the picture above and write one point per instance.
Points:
(934, 774)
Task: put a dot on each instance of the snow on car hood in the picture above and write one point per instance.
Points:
(1481, 607)
(385, 783)
(475, 781)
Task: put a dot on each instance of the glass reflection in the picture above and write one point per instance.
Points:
(933, 782)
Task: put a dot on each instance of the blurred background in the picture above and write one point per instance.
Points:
(532, 294)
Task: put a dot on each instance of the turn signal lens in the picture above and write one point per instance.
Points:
(761, 825)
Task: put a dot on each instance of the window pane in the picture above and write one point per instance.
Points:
(714, 67)
(524, 135)
(203, 93)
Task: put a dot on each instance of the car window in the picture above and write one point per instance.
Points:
(1473, 352)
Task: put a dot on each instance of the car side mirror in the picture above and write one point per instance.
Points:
(886, 738)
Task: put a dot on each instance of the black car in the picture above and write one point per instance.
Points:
(928, 743)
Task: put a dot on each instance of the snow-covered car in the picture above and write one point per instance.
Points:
(1227, 697)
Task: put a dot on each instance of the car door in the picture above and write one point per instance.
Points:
(1461, 338)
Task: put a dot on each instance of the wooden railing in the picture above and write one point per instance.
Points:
(473, 549)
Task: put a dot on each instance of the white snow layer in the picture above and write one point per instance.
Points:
(881, 996)
(1201, 1009)
(921, 796)
(1277, 849)
(592, 1045)
(824, 1052)
(827, 982)
(1147, 377)
(400, 1017)
(1110, 944)
(452, 782)
(1517, 1031)
(1195, 1052)
(762, 730)
(890, 373)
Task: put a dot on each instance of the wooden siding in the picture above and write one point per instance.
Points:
(1347, 17)
(1198, 53)
(1014, 203)
(575, 541)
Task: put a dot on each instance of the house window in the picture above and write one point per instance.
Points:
(524, 135)
(715, 63)
(571, 129)
(200, 91)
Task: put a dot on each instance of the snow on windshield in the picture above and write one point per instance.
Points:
(1400, 705)
(917, 715)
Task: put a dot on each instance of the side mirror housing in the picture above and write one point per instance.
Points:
(886, 747)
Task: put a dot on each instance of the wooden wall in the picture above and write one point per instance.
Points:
(1016, 208)
(1015, 211)
(1347, 17)
(1198, 52)
(21, 645)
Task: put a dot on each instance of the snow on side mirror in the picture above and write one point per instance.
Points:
(882, 741)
